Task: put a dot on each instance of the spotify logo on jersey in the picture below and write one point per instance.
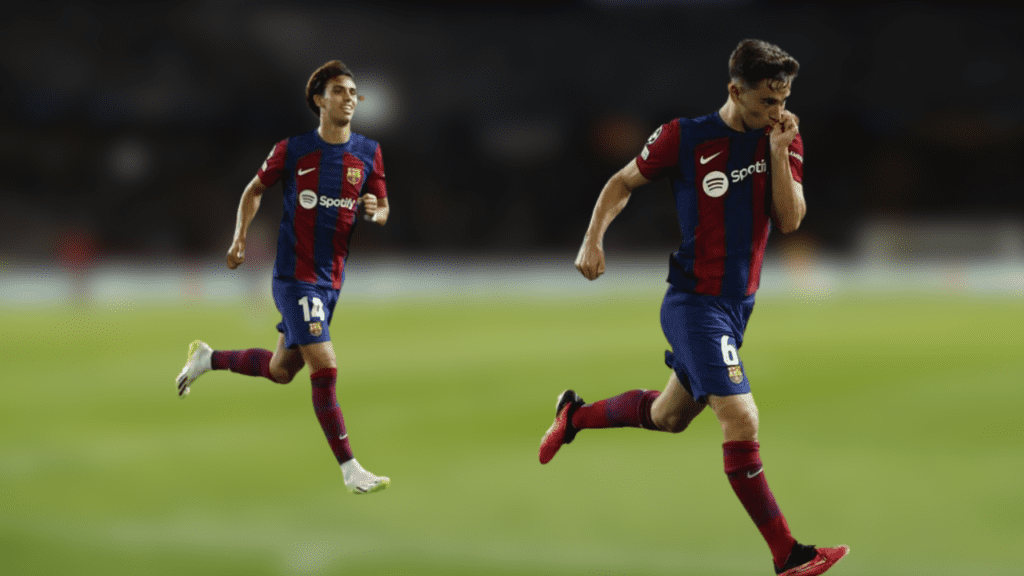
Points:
(307, 199)
(716, 183)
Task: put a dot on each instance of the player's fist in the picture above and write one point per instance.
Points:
(236, 254)
(369, 202)
(590, 261)
(784, 131)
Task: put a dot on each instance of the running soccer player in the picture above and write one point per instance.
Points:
(732, 172)
(326, 174)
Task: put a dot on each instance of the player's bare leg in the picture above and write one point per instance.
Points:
(285, 363)
(674, 409)
(739, 419)
(323, 368)
(737, 415)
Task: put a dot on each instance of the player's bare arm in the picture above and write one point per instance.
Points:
(788, 205)
(613, 198)
(375, 209)
(247, 208)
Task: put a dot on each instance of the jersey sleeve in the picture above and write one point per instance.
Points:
(375, 183)
(660, 155)
(270, 172)
(796, 158)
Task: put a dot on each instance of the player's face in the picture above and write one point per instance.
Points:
(760, 106)
(339, 99)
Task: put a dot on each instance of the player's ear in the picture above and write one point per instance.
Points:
(318, 99)
(734, 91)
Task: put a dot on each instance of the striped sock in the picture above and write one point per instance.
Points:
(629, 409)
(251, 362)
(746, 475)
(325, 404)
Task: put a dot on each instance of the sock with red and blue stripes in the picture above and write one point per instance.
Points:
(251, 362)
(629, 409)
(746, 475)
(325, 404)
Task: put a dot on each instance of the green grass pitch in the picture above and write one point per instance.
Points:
(890, 423)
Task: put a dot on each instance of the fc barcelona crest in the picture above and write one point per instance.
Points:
(316, 329)
(354, 176)
(736, 374)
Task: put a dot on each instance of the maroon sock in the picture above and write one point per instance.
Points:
(251, 362)
(746, 475)
(632, 409)
(325, 403)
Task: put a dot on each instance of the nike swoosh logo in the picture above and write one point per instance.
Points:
(304, 171)
(754, 474)
(806, 567)
(704, 160)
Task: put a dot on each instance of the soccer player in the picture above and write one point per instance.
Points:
(326, 174)
(733, 172)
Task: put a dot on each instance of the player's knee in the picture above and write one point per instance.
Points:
(741, 426)
(674, 423)
(281, 375)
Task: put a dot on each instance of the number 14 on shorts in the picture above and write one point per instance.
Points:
(317, 311)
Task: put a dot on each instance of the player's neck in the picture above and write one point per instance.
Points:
(334, 133)
(730, 114)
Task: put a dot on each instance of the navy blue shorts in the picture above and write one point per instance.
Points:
(705, 333)
(306, 311)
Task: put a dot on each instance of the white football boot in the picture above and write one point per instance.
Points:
(199, 355)
(360, 481)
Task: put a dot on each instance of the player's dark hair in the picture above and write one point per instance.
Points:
(756, 60)
(318, 81)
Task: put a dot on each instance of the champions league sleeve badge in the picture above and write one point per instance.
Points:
(654, 137)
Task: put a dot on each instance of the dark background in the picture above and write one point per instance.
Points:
(130, 130)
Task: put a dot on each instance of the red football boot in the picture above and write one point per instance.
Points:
(561, 430)
(806, 560)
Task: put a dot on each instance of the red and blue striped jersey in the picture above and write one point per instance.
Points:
(321, 184)
(721, 180)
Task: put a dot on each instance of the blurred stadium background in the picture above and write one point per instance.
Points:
(886, 342)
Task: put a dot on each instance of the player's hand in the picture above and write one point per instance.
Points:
(369, 202)
(236, 254)
(784, 131)
(590, 261)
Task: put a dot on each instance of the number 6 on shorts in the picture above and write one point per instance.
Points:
(729, 354)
